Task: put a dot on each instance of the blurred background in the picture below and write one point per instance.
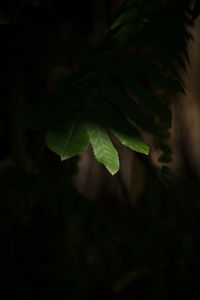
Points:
(69, 229)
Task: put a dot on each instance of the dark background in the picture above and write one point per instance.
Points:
(55, 242)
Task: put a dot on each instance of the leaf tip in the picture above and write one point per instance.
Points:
(113, 172)
(62, 158)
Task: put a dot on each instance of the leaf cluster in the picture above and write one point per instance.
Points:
(116, 90)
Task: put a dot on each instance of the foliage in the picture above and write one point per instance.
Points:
(54, 242)
(119, 86)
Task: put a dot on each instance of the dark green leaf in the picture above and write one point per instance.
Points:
(145, 96)
(68, 95)
(131, 109)
(4, 20)
(140, 65)
(196, 10)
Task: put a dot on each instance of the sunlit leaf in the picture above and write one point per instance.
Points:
(133, 141)
(104, 151)
(120, 126)
(69, 138)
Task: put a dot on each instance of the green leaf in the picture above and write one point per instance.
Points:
(128, 17)
(133, 141)
(146, 97)
(104, 151)
(36, 3)
(196, 10)
(69, 138)
(136, 64)
(69, 94)
(180, 61)
(120, 126)
(131, 109)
